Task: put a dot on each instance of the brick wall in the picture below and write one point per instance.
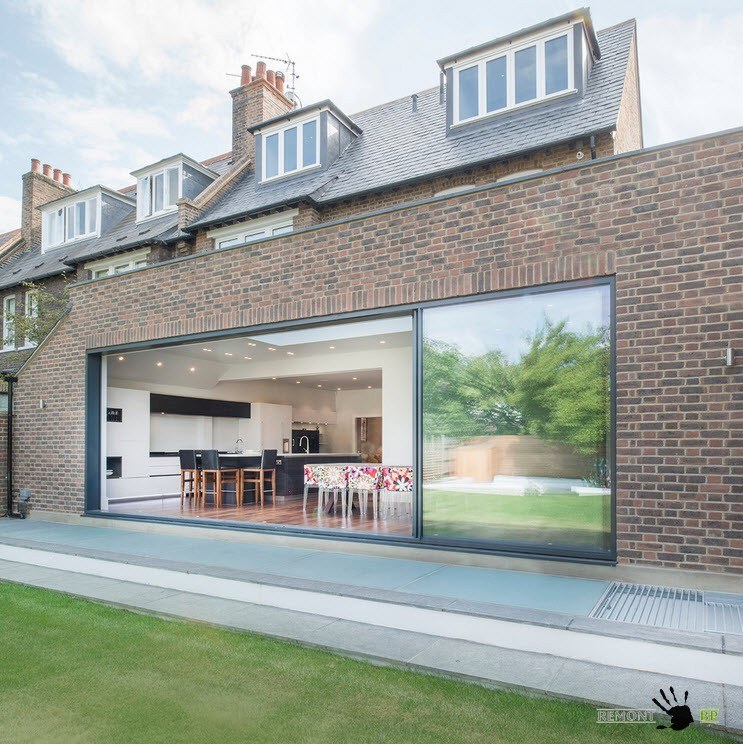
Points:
(38, 189)
(3, 458)
(666, 223)
(629, 119)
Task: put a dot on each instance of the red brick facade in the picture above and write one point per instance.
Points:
(665, 223)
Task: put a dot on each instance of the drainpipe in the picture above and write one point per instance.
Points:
(592, 143)
(10, 379)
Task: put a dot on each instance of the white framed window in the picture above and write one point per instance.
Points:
(158, 192)
(70, 221)
(261, 227)
(507, 78)
(291, 149)
(118, 264)
(31, 308)
(8, 325)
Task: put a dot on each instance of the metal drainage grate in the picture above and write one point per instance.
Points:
(665, 607)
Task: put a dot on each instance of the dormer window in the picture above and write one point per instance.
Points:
(68, 221)
(158, 192)
(512, 76)
(291, 149)
(162, 184)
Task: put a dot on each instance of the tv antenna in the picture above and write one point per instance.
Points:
(290, 68)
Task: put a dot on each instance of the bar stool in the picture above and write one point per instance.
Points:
(210, 467)
(257, 476)
(189, 475)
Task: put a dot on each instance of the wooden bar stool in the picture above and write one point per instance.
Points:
(189, 475)
(257, 477)
(210, 467)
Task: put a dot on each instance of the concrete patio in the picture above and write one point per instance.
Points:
(498, 627)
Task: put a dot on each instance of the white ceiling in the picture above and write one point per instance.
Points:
(330, 353)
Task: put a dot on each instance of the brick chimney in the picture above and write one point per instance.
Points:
(40, 186)
(258, 98)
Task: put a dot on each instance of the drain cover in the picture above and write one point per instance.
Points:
(665, 607)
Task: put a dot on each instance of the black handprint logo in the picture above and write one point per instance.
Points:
(680, 714)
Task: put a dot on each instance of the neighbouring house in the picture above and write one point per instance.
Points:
(481, 317)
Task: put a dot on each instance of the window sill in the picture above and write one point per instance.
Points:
(299, 171)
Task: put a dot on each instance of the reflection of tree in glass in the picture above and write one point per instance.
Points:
(562, 389)
(558, 391)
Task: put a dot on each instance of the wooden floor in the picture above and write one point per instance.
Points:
(286, 512)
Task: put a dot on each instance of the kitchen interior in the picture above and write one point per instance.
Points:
(336, 395)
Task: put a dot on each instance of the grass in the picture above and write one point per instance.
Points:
(455, 512)
(74, 671)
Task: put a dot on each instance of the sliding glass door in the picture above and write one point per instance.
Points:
(516, 414)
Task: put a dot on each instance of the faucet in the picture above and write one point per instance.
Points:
(237, 448)
(307, 446)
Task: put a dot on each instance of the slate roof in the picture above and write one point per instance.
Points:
(398, 145)
(33, 265)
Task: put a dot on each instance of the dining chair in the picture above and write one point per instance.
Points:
(189, 475)
(331, 481)
(257, 476)
(364, 481)
(310, 481)
(397, 489)
(210, 468)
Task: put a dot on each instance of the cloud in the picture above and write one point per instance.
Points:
(690, 75)
(10, 214)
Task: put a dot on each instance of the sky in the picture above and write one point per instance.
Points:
(99, 88)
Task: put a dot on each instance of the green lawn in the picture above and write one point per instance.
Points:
(555, 517)
(75, 671)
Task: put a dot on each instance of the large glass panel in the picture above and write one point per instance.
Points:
(309, 144)
(272, 156)
(497, 89)
(144, 203)
(468, 95)
(92, 210)
(516, 421)
(556, 65)
(525, 63)
(80, 226)
(290, 149)
(337, 398)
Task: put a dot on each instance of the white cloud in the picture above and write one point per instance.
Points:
(10, 214)
(690, 75)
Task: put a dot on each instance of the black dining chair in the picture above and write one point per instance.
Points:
(189, 475)
(257, 476)
(210, 468)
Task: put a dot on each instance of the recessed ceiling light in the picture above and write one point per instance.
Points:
(290, 353)
(369, 386)
(299, 382)
(382, 342)
(331, 347)
(248, 358)
(228, 353)
(319, 386)
(338, 388)
(273, 378)
(205, 349)
(250, 343)
(193, 369)
(354, 378)
(270, 348)
(159, 364)
(121, 358)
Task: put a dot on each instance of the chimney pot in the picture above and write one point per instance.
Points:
(66, 179)
(58, 175)
(280, 81)
(35, 165)
(245, 76)
(271, 77)
(47, 170)
(260, 70)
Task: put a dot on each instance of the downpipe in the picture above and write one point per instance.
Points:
(10, 379)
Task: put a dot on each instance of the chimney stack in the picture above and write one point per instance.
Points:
(41, 185)
(260, 97)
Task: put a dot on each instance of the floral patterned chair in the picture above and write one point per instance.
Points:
(310, 481)
(364, 480)
(331, 479)
(397, 489)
